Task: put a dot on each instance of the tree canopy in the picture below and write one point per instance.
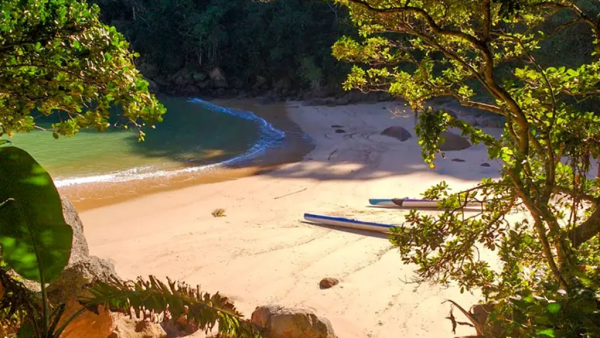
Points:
(485, 54)
(56, 57)
(266, 44)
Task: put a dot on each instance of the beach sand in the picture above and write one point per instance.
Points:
(262, 252)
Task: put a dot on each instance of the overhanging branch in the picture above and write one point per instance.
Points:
(586, 230)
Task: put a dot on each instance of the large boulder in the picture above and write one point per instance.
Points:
(280, 322)
(397, 132)
(79, 248)
(453, 142)
(81, 271)
(217, 78)
(126, 327)
(74, 279)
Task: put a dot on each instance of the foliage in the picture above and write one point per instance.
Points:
(312, 73)
(35, 239)
(178, 299)
(56, 57)
(541, 219)
(246, 39)
(32, 234)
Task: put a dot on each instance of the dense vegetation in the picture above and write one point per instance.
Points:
(56, 57)
(258, 45)
(533, 250)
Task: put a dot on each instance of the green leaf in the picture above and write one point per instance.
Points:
(553, 308)
(546, 332)
(35, 239)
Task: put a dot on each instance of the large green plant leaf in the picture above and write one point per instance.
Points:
(35, 239)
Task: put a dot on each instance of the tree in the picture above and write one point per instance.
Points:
(56, 57)
(176, 38)
(485, 54)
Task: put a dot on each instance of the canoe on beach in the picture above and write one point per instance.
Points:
(349, 223)
(413, 203)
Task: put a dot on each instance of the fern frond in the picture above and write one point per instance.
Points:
(174, 299)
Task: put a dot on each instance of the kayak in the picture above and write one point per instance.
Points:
(412, 203)
(349, 223)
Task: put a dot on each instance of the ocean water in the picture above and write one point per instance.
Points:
(195, 136)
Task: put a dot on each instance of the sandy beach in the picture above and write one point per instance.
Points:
(262, 252)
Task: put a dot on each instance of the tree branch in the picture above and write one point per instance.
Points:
(476, 43)
(586, 230)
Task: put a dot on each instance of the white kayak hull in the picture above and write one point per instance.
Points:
(349, 223)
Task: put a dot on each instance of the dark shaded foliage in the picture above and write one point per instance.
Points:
(275, 40)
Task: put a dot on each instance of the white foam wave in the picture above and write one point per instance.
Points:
(269, 136)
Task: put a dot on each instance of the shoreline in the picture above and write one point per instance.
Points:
(263, 252)
(88, 196)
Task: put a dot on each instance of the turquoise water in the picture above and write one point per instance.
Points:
(194, 136)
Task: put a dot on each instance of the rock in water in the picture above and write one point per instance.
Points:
(280, 322)
(397, 132)
(327, 283)
(453, 142)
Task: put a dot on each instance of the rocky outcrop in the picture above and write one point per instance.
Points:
(453, 142)
(77, 276)
(217, 78)
(71, 285)
(280, 322)
(81, 271)
(126, 327)
(397, 132)
(79, 248)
